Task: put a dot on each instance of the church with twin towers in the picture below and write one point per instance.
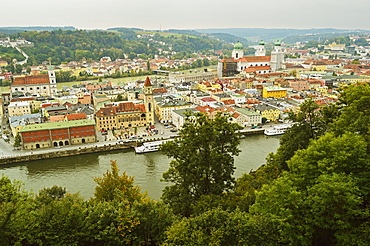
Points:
(259, 64)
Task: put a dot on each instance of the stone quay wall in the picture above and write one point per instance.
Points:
(63, 153)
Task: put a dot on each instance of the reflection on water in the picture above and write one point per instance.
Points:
(76, 173)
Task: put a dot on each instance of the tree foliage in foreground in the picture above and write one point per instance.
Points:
(323, 197)
(203, 161)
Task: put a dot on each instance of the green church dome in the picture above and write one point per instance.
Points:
(277, 43)
(238, 46)
(261, 42)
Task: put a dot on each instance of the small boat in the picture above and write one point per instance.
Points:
(150, 146)
(277, 130)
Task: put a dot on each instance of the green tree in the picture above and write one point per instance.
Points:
(17, 141)
(154, 219)
(113, 186)
(322, 200)
(48, 195)
(203, 161)
(205, 62)
(16, 211)
(220, 228)
(59, 222)
(64, 76)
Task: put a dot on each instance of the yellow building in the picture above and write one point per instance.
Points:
(128, 114)
(268, 112)
(206, 85)
(273, 91)
(323, 90)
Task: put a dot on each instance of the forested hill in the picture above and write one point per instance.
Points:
(256, 34)
(11, 30)
(64, 46)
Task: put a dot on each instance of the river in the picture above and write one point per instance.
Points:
(76, 173)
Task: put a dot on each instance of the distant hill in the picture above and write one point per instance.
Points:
(257, 34)
(223, 37)
(11, 30)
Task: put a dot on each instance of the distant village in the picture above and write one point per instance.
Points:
(250, 90)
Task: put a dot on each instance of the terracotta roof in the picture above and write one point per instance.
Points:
(208, 99)
(77, 116)
(255, 59)
(22, 99)
(205, 109)
(121, 108)
(147, 82)
(32, 80)
(254, 69)
(229, 102)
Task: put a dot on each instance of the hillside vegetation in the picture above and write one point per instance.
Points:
(63, 46)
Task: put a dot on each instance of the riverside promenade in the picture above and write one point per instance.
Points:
(9, 155)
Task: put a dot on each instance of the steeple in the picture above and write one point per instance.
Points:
(147, 82)
(149, 101)
(260, 50)
(238, 51)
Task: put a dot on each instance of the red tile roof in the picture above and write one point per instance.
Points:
(255, 59)
(147, 82)
(77, 116)
(254, 69)
(32, 80)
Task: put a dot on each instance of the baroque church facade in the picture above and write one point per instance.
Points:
(40, 85)
(260, 63)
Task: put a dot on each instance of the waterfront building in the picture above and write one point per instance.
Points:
(58, 134)
(251, 117)
(269, 112)
(128, 114)
(165, 105)
(179, 116)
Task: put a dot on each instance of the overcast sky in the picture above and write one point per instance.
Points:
(189, 14)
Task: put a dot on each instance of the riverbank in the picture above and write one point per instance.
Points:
(32, 156)
(76, 173)
(50, 153)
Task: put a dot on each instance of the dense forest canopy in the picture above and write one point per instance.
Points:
(60, 46)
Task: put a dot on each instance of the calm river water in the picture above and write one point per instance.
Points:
(76, 173)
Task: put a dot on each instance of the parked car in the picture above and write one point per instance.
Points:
(173, 130)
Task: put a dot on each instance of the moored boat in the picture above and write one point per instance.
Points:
(277, 130)
(150, 146)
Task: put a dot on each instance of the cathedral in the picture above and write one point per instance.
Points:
(260, 63)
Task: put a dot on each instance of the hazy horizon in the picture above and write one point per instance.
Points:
(206, 14)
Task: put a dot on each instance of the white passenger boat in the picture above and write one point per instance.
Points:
(277, 130)
(150, 146)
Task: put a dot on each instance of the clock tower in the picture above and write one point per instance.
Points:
(149, 101)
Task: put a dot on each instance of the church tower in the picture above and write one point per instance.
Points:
(149, 101)
(52, 81)
(238, 51)
(277, 57)
(260, 50)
